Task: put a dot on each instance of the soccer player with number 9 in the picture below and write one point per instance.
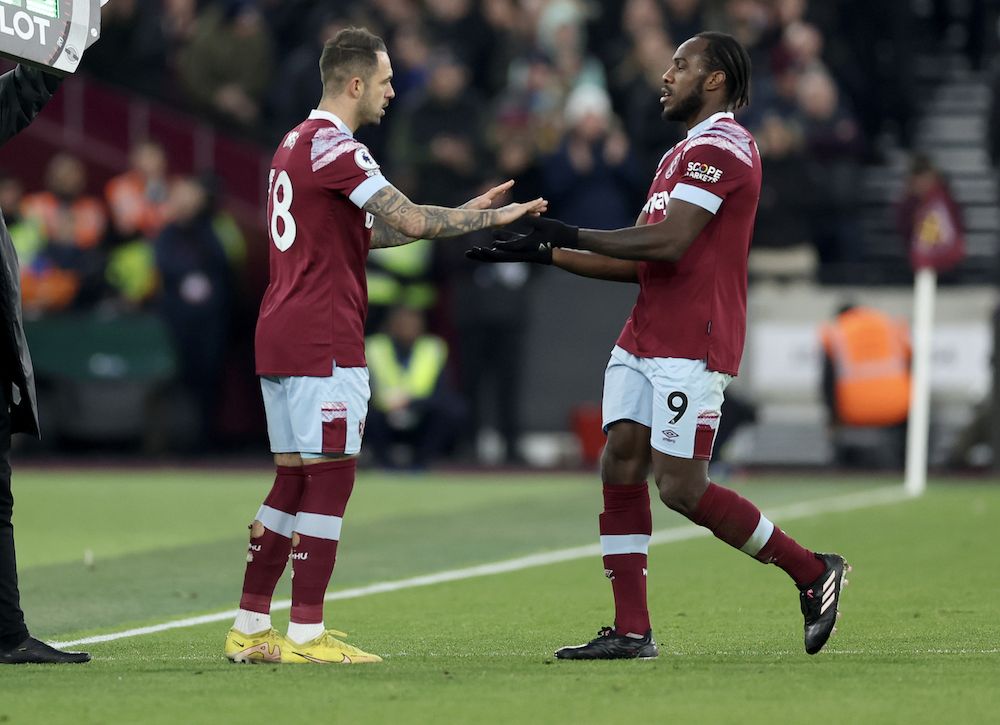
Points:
(664, 385)
(328, 203)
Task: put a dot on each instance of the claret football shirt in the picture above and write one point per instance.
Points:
(313, 312)
(696, 308)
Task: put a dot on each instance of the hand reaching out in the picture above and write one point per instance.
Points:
(534, 246)
(486, 199)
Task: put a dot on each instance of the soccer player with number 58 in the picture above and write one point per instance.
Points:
(328, 203)
(663, 388)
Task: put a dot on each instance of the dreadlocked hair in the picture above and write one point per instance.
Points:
(725, 53)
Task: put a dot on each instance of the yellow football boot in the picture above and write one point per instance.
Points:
(325, 650)
(257, 648)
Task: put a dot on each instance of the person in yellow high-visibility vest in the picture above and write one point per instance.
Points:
(867, 377)
(412, 403)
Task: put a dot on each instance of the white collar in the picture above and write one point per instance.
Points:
(333, 118)
(707, 122)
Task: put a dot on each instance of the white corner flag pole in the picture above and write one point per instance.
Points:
(917, 434)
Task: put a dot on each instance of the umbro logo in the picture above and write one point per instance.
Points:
(670, 435)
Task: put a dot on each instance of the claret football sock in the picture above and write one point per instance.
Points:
(626, 526)
(327, 490)
(740, 524)
(267, 555)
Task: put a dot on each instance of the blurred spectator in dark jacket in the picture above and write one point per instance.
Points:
(299, 89)
(458, 26)
(66, 271)
(411, 61)
(593, 179)
(439, 138)
(618, 52)
(786, 194)
(638, 81)
(490, 304)
(386, 15)
(685, 18)
(833, 143)
(512, 38)
(227, 66)
(195, 296)
(290, 21)
(133, 51)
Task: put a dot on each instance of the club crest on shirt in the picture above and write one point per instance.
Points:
(364, 160)
(672, 166)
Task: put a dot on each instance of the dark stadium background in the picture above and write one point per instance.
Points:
(844, 95)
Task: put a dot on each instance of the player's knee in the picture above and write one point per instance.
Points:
(295, 539)
(678, 494)
(256, 529)
(624, 460)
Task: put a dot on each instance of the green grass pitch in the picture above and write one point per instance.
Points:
(919, 640)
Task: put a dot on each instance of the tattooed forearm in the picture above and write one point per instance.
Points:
(384, 235)
(427, 222)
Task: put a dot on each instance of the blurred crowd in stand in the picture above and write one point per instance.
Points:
(560, 95)
(151, 242)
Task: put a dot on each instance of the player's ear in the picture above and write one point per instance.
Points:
(715, 80)
(356, 87)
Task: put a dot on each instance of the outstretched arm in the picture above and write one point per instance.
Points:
(433, 222)
(596, 266)
(384, 235)
(599, 266)
(665, 241)
(583, 264)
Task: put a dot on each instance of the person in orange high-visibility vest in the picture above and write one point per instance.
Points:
(867, 369)
(137, 199)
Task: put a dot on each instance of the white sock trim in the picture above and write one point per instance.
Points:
(759, 537)
(277, 521)
(625, 544)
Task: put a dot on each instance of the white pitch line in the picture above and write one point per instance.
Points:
(848, 502)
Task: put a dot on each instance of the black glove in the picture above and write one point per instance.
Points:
(542, 231)
(535, 245)
(495, 254)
